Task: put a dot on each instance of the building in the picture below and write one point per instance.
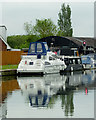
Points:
(69, 45)
(3, 46)
(3, 39)
(90, 43)
(61, 44)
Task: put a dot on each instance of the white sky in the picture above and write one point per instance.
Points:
(15, 14)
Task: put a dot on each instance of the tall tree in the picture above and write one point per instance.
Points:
(28, 28)
(64, 21)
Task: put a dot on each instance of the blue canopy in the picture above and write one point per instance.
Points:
(36, 48)
(86, 59)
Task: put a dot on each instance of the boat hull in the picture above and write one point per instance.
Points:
(45, 70)
(75, 67)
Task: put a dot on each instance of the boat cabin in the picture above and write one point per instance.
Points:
(72, 60)
(38, 48)
(39, 100)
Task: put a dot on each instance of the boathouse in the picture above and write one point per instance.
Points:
(63, 44)
(67, 45)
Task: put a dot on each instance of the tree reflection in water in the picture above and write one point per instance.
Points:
(66, 103)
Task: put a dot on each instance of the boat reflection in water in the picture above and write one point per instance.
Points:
(39, 90)
(82, 79)
(55, 91)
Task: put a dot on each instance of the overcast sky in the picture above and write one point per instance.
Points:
(15, 14)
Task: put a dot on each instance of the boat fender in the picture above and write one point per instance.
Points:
(25, 62)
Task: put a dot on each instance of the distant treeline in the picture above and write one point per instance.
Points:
(21, 41)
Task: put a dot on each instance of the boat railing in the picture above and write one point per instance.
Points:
(26, 53)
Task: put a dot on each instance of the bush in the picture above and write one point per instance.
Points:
(21, 41)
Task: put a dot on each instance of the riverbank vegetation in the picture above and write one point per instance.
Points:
(21, 41)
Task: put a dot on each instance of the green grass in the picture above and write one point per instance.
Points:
(5, 67)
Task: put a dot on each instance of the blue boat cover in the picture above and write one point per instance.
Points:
(36, 48)
(86, 59)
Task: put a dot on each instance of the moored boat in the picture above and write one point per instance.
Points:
(40, 60)
(73, 63)
(89, 61)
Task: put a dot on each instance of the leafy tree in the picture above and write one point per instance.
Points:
(42, 28)
(21, 41)
(45, 28)
(64, 21)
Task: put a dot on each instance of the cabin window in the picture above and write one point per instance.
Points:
(46, 46)
(32, 48)
(76, 61)
(30, 63)
(55, 56)
(47, 63)
(51, 58)
(79, 61)
(31, 86)
(39, 47)
(66, 61)
(73, 61)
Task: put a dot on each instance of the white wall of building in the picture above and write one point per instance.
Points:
(3, 31)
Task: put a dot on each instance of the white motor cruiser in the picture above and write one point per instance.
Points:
(40, 60)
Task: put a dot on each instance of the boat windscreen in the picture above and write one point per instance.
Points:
(39, 47)
(32, 48)
(46, 46)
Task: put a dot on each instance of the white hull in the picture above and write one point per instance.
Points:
(44, 66)
(51, 69)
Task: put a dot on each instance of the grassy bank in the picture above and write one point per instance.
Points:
(5, 67)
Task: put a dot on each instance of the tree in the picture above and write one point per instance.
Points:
(64, 21)
(45, 28)
(21, 41)
(28, 28)
(42, 28)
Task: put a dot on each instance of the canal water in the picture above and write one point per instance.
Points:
(69, 95)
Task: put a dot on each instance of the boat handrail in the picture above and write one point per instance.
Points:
(24, 53)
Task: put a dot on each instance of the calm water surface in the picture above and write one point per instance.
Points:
(50, 96)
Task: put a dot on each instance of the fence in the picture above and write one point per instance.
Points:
(10, 57)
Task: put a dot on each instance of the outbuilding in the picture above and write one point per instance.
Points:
(65, 45)
(69, 45)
